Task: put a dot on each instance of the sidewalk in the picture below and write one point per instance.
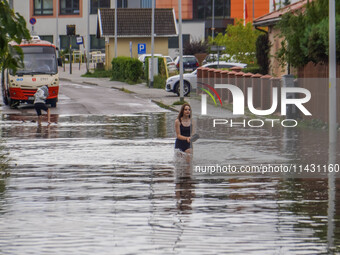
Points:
(159, 96)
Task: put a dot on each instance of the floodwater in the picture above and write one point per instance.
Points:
(110, 185)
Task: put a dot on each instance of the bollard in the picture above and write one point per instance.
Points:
(288, 81)
(247, 84)
(217, 75)
(256, 85)
(224, 80)
(266, 92)
(276, 83)
(231, 79)
(236, 69)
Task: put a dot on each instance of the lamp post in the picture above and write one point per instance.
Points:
(180, 42)
(152, 42)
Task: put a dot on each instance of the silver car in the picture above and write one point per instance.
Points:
(190, 79)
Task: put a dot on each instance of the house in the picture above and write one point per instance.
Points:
(133, 29)
(269, 21)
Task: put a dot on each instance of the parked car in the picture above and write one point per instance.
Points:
(190, 63)
(213, 58)
(143, 56)
(190, 79)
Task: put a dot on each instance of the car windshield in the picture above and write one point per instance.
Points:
(39, 60)
(191, 60)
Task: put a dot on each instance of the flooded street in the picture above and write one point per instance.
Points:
(109, 184)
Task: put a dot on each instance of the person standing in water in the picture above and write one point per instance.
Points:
(40, 103)
(184, 127)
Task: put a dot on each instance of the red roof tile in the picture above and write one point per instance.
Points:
(273, 17)
(136, 22)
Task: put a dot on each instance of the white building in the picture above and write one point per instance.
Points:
(52, 17)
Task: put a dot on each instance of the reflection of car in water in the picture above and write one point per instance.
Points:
(190, 79)
(40, 68)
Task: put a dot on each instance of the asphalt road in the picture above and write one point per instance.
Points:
(78, 99)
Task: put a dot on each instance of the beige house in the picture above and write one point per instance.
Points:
(270, 20)
(134, 30)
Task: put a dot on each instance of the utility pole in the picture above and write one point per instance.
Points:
(180, 42)
(88, 37)
(152, 42)
(116, 27)
(332, 75)
(57, 25)
(213, 21)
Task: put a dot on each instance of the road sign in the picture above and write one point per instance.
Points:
(217, 48)
(33, 21)
(80, 40)
(141, 48)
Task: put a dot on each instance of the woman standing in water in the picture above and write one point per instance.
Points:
(184, 127)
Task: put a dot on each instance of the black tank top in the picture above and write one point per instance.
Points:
(185, 131)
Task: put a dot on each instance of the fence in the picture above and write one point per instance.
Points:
(263, 85)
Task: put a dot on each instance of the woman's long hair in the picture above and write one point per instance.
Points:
(181, 112)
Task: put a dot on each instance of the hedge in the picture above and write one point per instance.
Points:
(126, 69)
(161, 67)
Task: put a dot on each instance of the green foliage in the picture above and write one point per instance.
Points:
(126, 69)
(159, 82)
(161, 67)
(194, 47)
(262, 53)
(252, 69)
(306, 35)
(98, 73)
(240, 42)
(12, 28)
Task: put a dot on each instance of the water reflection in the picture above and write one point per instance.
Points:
(110, 185)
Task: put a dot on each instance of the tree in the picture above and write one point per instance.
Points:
(240, 42)
(12, 28)
(194, 47)
(305, 35)
(262, 53)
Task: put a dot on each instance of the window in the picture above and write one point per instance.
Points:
(65, 43)
(122, 3)
(48, 38)
(69, 6)
(96, 4)
(43, 7)
(173, 41)
(146, 3)
(202, 9)
(97, 43)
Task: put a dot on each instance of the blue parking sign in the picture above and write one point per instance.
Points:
(141, 48)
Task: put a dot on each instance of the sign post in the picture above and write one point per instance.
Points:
(141, 48)
(32, 22)
(70, 31)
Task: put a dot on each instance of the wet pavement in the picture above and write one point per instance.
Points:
(113, 184)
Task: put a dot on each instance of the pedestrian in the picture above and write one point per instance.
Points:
(40, 103)
(184, 128)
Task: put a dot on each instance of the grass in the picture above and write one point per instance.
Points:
(98, 74)
(126, 90)
(180, 103)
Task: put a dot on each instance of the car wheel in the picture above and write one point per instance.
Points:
(186, 86)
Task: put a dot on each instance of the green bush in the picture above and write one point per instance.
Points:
(159, 82)
(252, 69)
(161, 67)
(126, 69)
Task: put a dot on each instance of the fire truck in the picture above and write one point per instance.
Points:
(40, 67)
